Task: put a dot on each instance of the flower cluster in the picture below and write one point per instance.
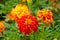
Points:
(45, 16)
(27, 22)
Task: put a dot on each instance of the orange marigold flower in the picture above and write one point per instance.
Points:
(45, 15)
(1, 26)
(24, 0)
(27, 24)
(19, 11)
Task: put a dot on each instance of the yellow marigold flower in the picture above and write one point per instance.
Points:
(1, 26)
(45, 15)
(19, 11)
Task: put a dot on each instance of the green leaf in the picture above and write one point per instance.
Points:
(29, 2)
(7, 25)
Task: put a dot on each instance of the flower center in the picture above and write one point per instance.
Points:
(28, 21)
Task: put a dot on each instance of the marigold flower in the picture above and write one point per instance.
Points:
(1, 26)
(27, 24)
(19, 11)
(24, 0)
(45, 15)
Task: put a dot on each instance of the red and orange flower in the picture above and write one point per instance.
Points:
(45, 15)
(27, 24)
(19, 11)
(1, 26)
